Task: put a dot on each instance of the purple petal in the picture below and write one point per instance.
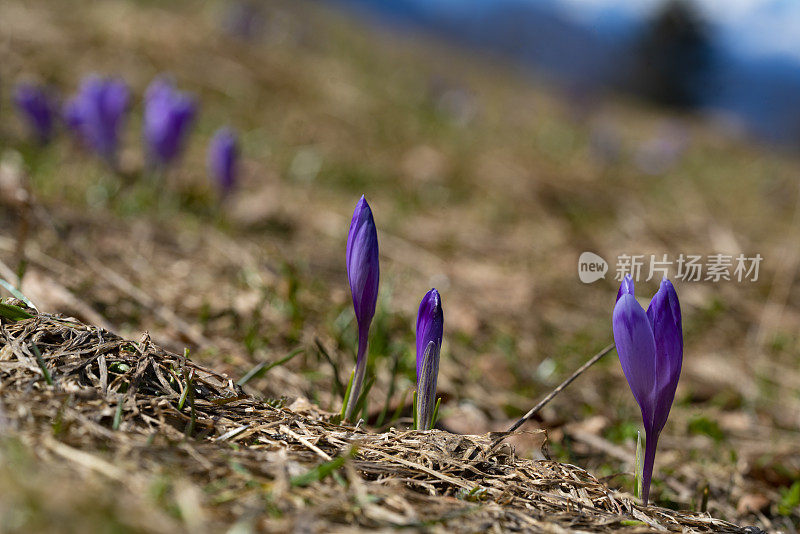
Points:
(626, 287)
(222, 159)
(96, 113)
(38, 108)
(168, 115)
(636, 347)
(430, 325)
(664, 315)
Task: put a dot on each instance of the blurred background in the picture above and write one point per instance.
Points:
(735, 62)
(496, 141)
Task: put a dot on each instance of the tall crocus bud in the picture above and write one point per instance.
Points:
(222, 160)
(168, 114)
(38, 108)
(650, 348)
(363, 272)
(97, 113)
(430, 326)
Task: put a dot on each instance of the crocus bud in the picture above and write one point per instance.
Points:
(650, 348)
(363, 273)
(222, 156)
(97, 112)
(38, 108)
(168, 114)
(430, 326)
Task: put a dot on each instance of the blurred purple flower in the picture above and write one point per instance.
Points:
(39, 109)
(222, 159)
(168, 114)
(650, 348)
(363, 273)
(97, 113)
(430, 326)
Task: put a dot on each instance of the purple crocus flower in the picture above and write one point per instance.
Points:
(97, 113)
(39, 109)
(650, 348)
(363, 273)
(430, 326)
(168, 114)
(222, 159)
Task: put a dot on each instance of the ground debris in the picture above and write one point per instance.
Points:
(126, 411)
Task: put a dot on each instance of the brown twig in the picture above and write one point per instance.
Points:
(533, 411)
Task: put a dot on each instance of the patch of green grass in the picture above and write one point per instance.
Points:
(323, 470)
(622, 432)
(790, 499)
(701, 425)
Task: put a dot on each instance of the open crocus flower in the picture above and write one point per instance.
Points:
(430, 326)
(222, 159)
(363, 273)
(168, 114)
(38, 108)
(650, 348)
(97, 112)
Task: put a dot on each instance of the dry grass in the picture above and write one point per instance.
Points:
(116, 407)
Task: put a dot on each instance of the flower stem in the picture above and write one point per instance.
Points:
(358, 378)
(651, 442)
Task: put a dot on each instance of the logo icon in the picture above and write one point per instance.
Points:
(591, 267)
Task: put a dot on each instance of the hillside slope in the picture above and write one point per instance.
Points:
(485, 184)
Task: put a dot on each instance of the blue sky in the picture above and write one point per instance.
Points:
(750, 27)
(756, 70)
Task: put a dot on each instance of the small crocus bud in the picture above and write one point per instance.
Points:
(430, 326)
(222, 160)
(168, 115)
(97, 113)
(38, 108)
(650, 348)
(363, 273)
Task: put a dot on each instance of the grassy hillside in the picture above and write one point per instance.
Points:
(485, 183)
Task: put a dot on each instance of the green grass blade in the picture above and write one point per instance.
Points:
(13, 313)
(361, 405)
(390, 392)
(637, 481)
(400, 406)
(414, 409)
(42, 366)
(262, 368)
(435, 412)
(118, 413)
(17, 293)
(323, 470)
(347, 394)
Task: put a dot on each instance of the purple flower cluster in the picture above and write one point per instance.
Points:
(649, 342)
(96, 115)
(363, 273)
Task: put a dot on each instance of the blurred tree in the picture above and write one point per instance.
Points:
(673, 56)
